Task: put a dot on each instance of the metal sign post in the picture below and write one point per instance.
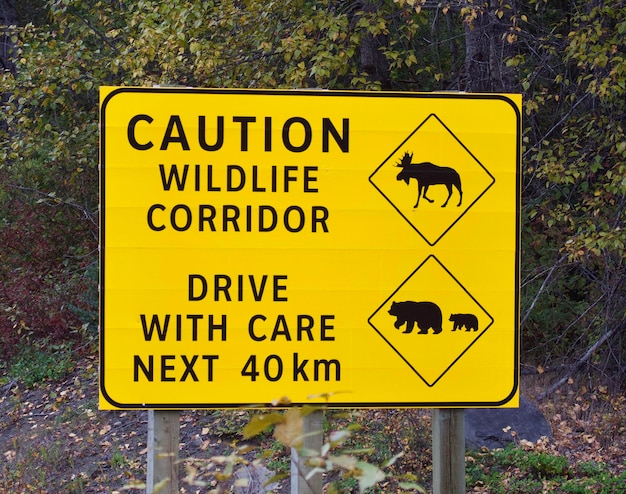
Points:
(448, 451)
(163, 446)
(312, 432)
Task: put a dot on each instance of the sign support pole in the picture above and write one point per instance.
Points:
(448, 451)
(312, 432)
(163, 445)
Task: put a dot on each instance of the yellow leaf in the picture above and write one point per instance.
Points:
(258, 423)
(289, 432)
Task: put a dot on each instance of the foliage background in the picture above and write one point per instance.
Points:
(566, 58)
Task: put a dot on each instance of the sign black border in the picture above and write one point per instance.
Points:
(296, 93)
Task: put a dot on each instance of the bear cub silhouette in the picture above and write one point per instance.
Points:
(470, 321)
(426, 315)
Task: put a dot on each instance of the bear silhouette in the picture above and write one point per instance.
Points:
(426, 315)
(470, 321)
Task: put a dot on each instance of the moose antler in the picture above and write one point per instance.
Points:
(406, 159)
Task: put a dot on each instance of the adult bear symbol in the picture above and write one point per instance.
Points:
(426, 315)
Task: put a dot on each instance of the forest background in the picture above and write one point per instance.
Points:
(567, 58)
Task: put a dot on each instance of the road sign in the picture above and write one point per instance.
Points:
(345, 248)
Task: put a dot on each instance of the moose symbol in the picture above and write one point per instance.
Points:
(428, 174)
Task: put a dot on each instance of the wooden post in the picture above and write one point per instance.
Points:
(163, 446)
(312, 430)
(448, 451)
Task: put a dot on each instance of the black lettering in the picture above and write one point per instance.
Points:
(148, 372)
(174, 175)
(281, 329)
(203, 287)
(165, 368)
(169, 138)
(325, 327)
(274, 181)
(210, 359)
(194, 325)
(279, 368)
(240, 287)
(154, 324)
(179, 327)
(209, 179)
(219, 139)
(189, 368)
(288, 177)
(279, 288)
(230, 178)
(249, 368)
(298, 368)
(231, 214)
(217, 327)
(305, 324)
(308, 178)
(151, 213)
(248, 218)
(263, 227)
(221, 283)
(299, 218)
(320, 215)
(188, 217)
(255, 187)
(257, 294)
(251, 332)
(244, 121)
(328, 128)
(326, 365)
(203, 218)
(308, 134)
(261, 218)
(131, 132)
(268, 134)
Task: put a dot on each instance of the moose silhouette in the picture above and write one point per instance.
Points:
(428, 174)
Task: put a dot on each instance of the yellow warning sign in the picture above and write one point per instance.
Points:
(344, 248)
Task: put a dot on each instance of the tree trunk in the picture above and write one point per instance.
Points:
(487, 47)
(8, 17)
(373, 61)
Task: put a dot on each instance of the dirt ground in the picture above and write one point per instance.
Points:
(54, 439)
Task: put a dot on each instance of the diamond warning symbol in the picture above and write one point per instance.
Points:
(431, 320)
(432, 179)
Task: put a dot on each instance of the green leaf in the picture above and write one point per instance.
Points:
(411, 486)
(369, 475)
(344, 461)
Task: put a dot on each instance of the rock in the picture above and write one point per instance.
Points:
(484, 426)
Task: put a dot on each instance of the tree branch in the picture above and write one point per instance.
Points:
(542, 288)
(577, 365)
